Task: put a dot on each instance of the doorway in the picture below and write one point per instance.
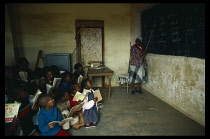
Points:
(90, 44)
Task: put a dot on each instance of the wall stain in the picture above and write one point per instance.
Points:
(180, 82)
(177, 70)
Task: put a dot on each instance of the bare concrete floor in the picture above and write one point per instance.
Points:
(139, 115)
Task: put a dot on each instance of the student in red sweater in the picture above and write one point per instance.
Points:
(74, 88)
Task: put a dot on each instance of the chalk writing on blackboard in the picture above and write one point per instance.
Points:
(177, 39)
(179, 29)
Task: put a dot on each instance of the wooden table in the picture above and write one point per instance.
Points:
(105, 71)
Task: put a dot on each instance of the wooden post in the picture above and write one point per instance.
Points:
(38, 57)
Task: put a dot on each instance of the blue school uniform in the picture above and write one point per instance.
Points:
(91, 115)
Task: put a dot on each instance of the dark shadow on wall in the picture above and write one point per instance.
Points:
(14, 20)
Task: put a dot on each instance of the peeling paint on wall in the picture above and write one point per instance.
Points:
(179, 81)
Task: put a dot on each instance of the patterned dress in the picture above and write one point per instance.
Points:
(137, 70)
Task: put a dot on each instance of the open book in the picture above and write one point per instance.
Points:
(56, 82)
(36, 96)
(79, 80)
(75, 108)
(23, 75)
(62, 71)
(78, 96)
(11, 109)
(39, 81)
(49, 88)
(64, 120)
(97, 93)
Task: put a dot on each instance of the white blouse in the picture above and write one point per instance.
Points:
(87, 104)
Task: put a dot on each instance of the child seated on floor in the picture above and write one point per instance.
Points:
(49, 77)
(18, 93)
(9, 77)
(74, 88)
(48, 113)
(63, 104)
(78, 71)
(55, 70)
(32, 89)
(66, 80)
(90, 109)
(23, 65)
(13, 128)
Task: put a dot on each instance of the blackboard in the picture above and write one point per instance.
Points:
(175, 29)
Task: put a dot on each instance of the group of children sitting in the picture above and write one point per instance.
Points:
(37, 120)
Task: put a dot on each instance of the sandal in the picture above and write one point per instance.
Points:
(100, 105)
(90, 126)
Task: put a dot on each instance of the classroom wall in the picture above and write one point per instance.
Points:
(51, 28)
(177, 80)
(9, 48)
(180, 82)
(136, 9)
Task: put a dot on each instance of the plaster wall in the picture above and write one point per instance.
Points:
(136, 10)
(180, 82)
(51, 28)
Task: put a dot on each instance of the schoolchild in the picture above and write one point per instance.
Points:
(48, 113)
(90, 109)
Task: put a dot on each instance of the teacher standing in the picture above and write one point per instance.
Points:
(137, 69)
